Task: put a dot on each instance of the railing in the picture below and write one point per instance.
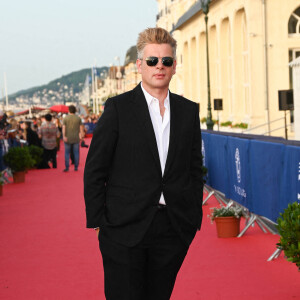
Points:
(268, 123)
(262, 125)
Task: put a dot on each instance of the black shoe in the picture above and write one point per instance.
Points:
(66, 170)
(84, 145)
(75, 169)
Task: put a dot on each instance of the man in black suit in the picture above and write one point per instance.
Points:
(143, 178)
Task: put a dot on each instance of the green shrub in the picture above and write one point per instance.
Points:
(18, 159)
(289, 230)
(240, 125)
(203, 120)
(226, 124)
(36, 154)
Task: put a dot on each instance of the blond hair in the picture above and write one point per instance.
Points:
(154, 36)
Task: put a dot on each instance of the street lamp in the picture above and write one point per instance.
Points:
(209, 121)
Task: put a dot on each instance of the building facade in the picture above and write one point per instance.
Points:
(251, 43)
(131, 77)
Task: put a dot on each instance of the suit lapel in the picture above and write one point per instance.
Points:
(141, 111)
(173, 128)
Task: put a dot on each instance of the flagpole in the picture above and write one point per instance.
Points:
(96, 93)
(93, 88)
(5, 86)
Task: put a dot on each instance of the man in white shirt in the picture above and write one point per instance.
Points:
(143, 178)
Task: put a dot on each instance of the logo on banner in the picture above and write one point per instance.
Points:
(238, 165)
(203, 152)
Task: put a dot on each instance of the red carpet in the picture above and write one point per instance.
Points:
(46, 252)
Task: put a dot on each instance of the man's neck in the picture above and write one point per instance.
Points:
(158, 93)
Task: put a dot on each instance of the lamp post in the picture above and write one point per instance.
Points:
(209, 121)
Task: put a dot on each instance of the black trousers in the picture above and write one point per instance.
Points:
(50, 155)
(148, 270)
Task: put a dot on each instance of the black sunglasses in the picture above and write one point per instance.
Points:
(153, 60)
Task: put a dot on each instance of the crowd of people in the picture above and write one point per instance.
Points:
(46, 131)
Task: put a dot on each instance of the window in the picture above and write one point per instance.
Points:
(293, 54)
(294, 22)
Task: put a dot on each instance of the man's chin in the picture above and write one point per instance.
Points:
(160, 84)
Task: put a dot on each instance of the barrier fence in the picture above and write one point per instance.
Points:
(260, 173)
(89, 127)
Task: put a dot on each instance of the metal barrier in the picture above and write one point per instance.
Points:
(265, 224)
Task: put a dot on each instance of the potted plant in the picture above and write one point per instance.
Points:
(289, 231)
(18, 159)
(227, 220)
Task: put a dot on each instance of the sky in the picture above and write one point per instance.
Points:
(43, 40)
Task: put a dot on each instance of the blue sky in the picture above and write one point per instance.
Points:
(43, 40)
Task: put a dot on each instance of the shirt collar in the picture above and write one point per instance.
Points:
(150, 98)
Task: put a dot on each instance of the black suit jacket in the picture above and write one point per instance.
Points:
(123, 180)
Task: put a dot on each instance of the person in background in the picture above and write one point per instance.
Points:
(13, 124)
(12, 138)
(59, 127)
(72, 135)
(48, 134)
(30, 135)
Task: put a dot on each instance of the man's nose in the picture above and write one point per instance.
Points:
(159, 64)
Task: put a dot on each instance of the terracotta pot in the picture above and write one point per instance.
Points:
(19, 177)
(227, 226)
(1, 189)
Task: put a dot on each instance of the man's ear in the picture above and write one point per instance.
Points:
(139, 65)
(174, 67)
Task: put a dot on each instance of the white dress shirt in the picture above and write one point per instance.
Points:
(161, 127)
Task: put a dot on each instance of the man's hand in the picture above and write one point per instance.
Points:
(97, 230)
(65, 139)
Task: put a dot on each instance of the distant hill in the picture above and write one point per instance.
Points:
(66, 86)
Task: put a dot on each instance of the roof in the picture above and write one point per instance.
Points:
(33, 109)
(188, 15)
(131, 55)
(295, 62)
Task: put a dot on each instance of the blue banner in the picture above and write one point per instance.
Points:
(216, 156)
(205, 153)
(263, 176)
(239, 171)
(290, 189)
(266, 177)
(89, 127)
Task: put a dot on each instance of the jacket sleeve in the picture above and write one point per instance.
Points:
(196, 164)
(98, 164)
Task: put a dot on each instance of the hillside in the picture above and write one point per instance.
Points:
(66, 88)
